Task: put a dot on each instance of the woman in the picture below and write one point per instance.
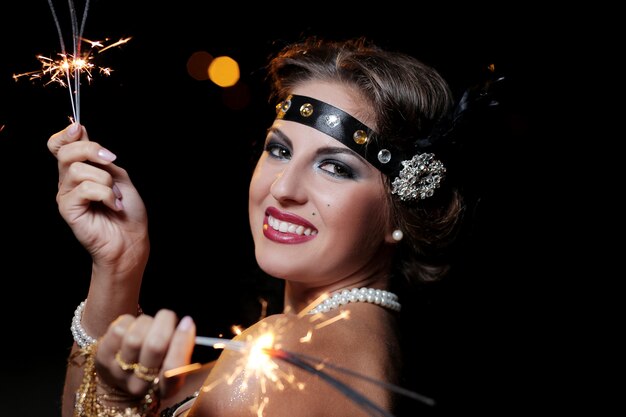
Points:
(352, 191)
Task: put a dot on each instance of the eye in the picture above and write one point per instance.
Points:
(277, 150)
(337, 169)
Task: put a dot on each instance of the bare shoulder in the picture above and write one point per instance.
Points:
(304, 366)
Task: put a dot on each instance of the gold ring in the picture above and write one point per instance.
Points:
(145, 370)
(124, 365)
(145, 373)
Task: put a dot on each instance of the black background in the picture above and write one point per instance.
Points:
(190, 155)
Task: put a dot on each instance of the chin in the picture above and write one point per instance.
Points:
(278, 265)
(273, 265)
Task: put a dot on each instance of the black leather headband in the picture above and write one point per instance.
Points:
(340, 125)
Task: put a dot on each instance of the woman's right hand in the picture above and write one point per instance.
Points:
(99, 202)
(135, 351)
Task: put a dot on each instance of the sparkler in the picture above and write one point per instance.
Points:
(258, 359)
(68, 69)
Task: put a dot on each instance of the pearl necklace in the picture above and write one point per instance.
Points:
(358, 295)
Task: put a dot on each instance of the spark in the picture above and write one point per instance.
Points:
(186, 369)
(307, 338)
(254, 361)
(68, 68)
(113, 45)
(343, 314)
(57, 70)
(312, 305)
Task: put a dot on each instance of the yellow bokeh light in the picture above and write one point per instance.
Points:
(224, 71)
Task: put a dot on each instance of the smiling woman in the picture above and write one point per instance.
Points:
(354, 198)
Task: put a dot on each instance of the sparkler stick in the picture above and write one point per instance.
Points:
(76, 37)
(355, 396)
(220, 343)
(391, 387)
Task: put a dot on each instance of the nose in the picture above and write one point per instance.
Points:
(288, 186)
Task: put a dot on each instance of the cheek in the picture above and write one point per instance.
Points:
(259, 184)
(361, 211)
(255, 199)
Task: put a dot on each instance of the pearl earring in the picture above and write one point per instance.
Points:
(397, 235)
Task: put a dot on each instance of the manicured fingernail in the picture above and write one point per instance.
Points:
(185, 324)
(106, 154)
(119, 330)
(119, 204)
(74, 128)
(117, 191)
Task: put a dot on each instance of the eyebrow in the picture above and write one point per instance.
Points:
(326, 150)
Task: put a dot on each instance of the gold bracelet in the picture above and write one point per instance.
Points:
(148, 406)
(89, 403)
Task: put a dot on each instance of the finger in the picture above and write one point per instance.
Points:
(129, 353)
(85, 183)
(134, 338)
(79, 172)
(72, 133)
(155, 346)
(158, 339)
(179, 354)
(109, 345)
(87, 192)
(90, 152)
(84, 151)
(74, 152)
(112, 339)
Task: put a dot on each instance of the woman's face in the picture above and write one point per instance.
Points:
(318, 211)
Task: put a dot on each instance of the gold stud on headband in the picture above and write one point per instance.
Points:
(283, 106)
(360, 137)
(306, 109)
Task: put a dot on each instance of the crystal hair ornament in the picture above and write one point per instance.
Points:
(418, 178)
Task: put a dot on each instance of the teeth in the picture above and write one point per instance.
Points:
(286, 227)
